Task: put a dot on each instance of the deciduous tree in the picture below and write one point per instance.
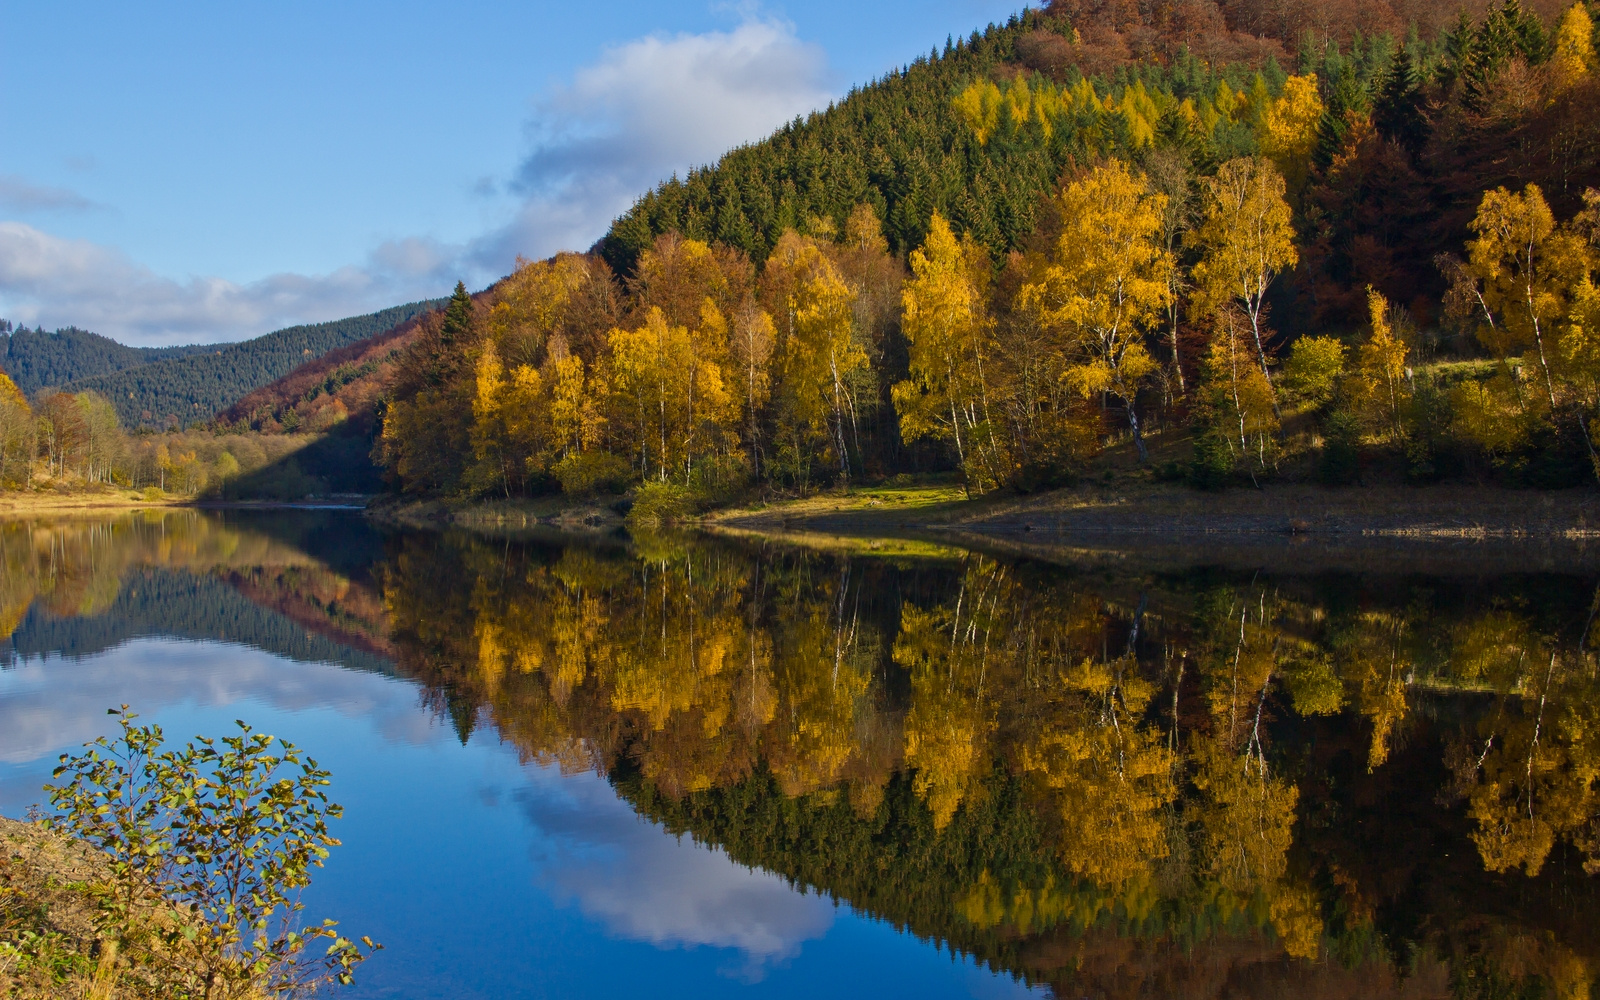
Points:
(1246, 239)
(1104, 284)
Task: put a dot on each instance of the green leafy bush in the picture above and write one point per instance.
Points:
(591, 472)
(659, 503)
(1212, 465)
(226, 836)
(1313, 369)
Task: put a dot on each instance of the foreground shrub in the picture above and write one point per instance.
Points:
(227, 837)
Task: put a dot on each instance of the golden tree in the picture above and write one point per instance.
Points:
(1246, 239)
(1383, 389)
(530, 305)
(17, 433)
(577, 422)
(1525, 270)
(510, 424)
(668, 392)
(1572, 58)
(1289, 129)
(750, 348)
(1105, 283)
(948, 334)
(823, 356)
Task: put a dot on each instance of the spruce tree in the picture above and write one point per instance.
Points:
(457, 323)
(1458, 47)
(1398, 115)
(1348, 97)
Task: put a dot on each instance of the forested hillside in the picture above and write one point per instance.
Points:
(1231, 244)
(184, 390)
(341, 388)
(36, 359)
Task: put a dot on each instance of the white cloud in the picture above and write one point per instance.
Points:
(642, 112)
(50, 281)
(21, 195)
(646, 110)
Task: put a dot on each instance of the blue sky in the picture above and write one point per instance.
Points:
(180, 172)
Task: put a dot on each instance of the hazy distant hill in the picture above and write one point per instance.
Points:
(195, 387)
(35, 358)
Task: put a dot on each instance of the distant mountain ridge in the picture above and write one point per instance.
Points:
(36, 359)
(191, 384)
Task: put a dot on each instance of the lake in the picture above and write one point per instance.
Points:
(680, 766)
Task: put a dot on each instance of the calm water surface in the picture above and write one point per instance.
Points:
(698, 768)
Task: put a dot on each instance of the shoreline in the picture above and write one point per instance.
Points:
(1093, 514)
(18, 504)
(1173, 513)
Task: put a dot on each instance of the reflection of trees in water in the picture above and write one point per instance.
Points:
(77, 568)
(1083, 780)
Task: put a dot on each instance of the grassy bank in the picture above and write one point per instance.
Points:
(51, 890)
(1135, 506)
(85, 499)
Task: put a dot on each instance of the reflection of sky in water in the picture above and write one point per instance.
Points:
(483, 877)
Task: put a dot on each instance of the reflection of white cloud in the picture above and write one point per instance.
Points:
(53, 704)
(646, 885)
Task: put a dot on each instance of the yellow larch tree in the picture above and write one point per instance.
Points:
(1289, 130)
(1104, 284)
(1572, 57)
(979, 106)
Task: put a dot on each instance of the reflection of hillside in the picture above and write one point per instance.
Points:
(179, 605)
(91, 584)
(1193, 784)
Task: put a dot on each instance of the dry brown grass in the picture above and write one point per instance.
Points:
(24, 502)
(51, 945)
